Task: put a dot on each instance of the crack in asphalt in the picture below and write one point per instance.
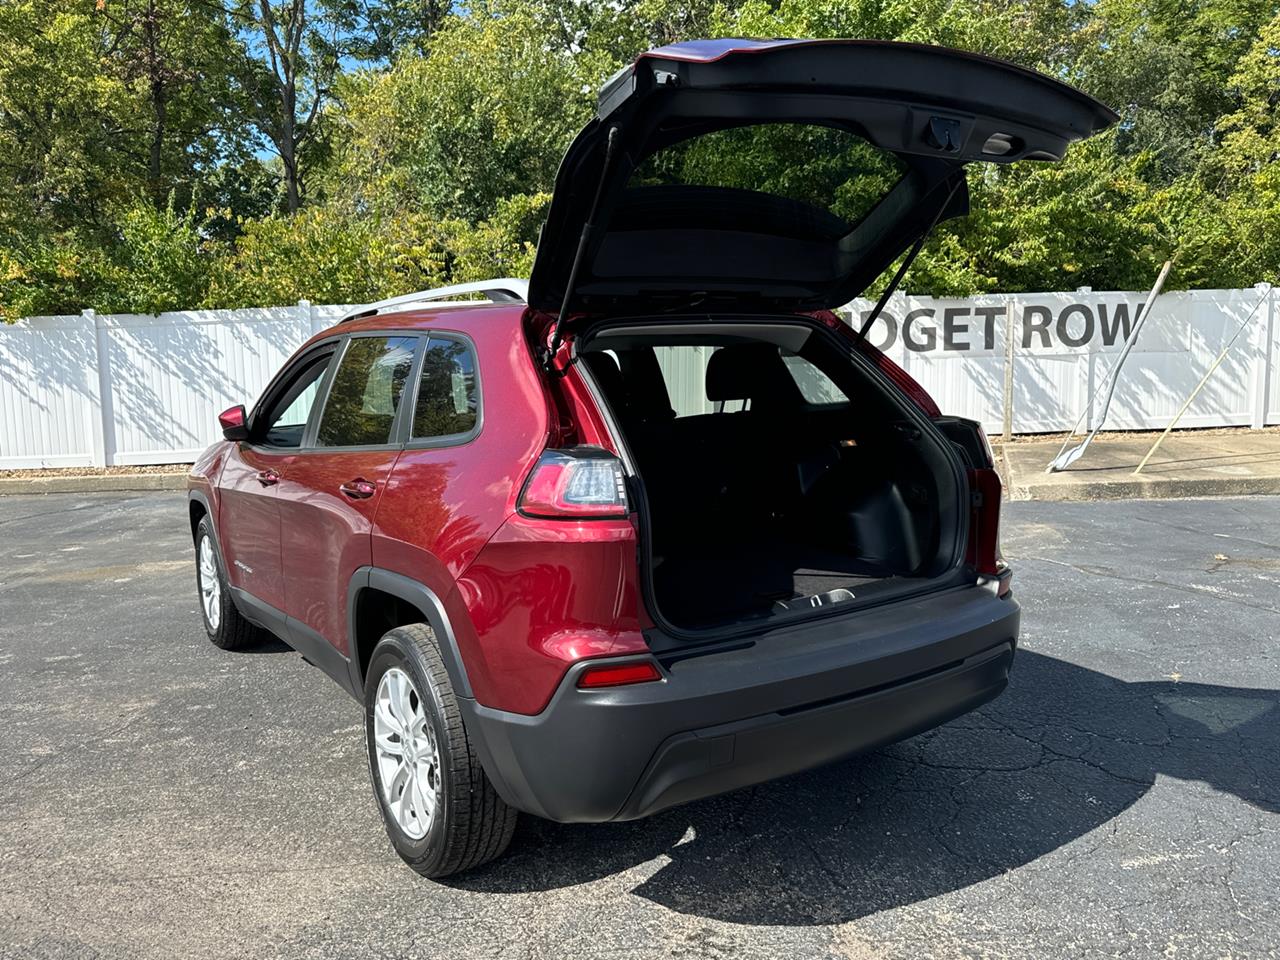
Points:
(1208, 533)
(1109, 574)
(1096, 808)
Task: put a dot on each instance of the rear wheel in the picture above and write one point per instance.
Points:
(223, 623)
(440, 810)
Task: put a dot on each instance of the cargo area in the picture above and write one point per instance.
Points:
(780, 475)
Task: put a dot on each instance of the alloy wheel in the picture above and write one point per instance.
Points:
(407, 758)
(210, 585)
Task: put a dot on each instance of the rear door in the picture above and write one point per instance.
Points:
(249, 506)
(329, 491)
(782, 175)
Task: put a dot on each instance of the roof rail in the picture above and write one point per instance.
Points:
(501, 290)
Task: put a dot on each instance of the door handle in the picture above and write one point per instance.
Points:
(358, 489)
(268, 478)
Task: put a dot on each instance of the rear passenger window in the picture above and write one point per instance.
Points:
(815, 386)
(448, 400)
(366, 392)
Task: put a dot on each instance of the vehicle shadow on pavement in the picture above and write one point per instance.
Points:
(267, 643)
(1064, 751)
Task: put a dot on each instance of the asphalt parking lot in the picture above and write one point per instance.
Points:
(163, 798)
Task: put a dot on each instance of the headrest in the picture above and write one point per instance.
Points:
(646, 387)
(605, 370)
(746, 371)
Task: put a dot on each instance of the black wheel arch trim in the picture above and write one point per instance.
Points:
(425, 599)
(198, 496)
(418, 595)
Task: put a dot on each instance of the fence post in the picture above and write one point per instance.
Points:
(1273, 348)
(1261, 362)
(307, 313)
(1010, 335)
(102, 412)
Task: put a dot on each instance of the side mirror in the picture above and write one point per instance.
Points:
(235, 423)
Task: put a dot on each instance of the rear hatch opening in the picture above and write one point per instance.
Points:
(777, 475)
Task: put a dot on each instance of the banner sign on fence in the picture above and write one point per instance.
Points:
(1043, 323)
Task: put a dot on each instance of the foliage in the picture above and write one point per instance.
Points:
(328, 257)
(157, 154)
(157, 260)
(485, 116)
(55, 274)
(65, 123)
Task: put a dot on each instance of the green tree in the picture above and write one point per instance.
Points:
(66, 122)
(176, 57)
(162, 262)
(389, 27)
(297, 48)
(486, 115)
(1233, 233)
(1166, 67)
(416, 142)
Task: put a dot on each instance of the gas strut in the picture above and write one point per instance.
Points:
(907, 261)
(584, 241)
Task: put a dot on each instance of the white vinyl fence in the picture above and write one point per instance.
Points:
(93, 390)
(127, 389)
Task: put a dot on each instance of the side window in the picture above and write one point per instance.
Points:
(286, 419)
(684, 370)
(448, 398)
(815, 386)
(366, 392)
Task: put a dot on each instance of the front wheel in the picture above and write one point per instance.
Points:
(441, 812)
(226, 628)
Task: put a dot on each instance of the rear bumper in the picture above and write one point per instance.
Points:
(785, 702)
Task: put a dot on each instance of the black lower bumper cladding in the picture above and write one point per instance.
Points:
(788, 702)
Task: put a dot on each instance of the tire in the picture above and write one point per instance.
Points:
(455, 820)
(226, 628)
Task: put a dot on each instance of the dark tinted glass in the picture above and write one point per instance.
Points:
(822, 166)
(448, 402)
(366, 392)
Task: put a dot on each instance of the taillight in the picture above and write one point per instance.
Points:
(585, 483)
(984, 528)
(618, 675)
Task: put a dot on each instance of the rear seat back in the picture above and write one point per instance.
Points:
(714, 473)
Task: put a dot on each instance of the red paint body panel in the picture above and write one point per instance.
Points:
(526, 597)
(325, 536)
(248, 517)
(544, 594)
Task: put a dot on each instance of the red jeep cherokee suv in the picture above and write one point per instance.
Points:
(658, 525)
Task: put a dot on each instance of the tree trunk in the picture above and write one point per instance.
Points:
(159, 105)
(157, 141)
(289, 145)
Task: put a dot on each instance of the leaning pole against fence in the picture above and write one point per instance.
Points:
(1066, 457)
(1266, 296)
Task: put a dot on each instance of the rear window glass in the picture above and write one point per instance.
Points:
(448, 400)
(684, 371)
(825, 167)
(815, 386)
